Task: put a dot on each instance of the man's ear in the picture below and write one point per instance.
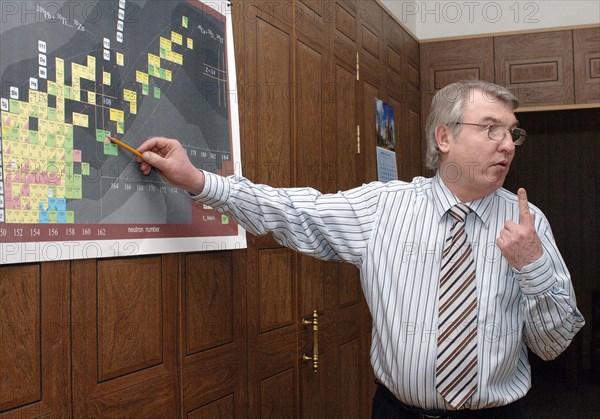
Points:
(443, 135)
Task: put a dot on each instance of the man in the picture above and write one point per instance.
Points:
(460, 275)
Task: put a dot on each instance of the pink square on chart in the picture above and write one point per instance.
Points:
(16, 203)
(77, 156)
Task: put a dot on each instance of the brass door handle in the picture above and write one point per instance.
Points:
(314, 321)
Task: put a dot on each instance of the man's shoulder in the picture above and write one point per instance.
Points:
(506, 195)
(377, 191)
(418, 185)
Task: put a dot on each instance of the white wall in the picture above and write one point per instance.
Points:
(443, 19)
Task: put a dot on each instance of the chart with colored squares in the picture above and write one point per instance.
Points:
(76, 74)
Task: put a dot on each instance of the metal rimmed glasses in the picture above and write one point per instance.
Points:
(497, 132)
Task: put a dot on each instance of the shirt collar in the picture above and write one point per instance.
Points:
(444, 199)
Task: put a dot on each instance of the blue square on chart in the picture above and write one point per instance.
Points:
(44, 217)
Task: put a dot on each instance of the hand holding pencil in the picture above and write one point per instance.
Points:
(125, 146)
(168, 156)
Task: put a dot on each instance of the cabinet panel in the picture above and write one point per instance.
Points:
(123, 334)
(310, 130)
(537, 68)
(276, 289)
(370, 41)
(273, 117)
(344, 32)
(413, 61)
(277, 395)
(129, 317)
(219, 409)
(345, 129)
(20, 296)
(350, 387)
(212, 327)
(413, 130)
(587, 65)
(450, 61)
(310, 16)
(34, 340)
(370, 22)
(368, 137)
(208, 301)
(345, 21)
(395, 54)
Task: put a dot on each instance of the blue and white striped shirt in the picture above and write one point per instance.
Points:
(394, 233)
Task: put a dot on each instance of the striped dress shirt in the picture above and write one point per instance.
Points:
(394, 233)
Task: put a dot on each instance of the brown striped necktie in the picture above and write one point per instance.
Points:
(456, 370)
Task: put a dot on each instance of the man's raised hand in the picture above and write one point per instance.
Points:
(519, 242)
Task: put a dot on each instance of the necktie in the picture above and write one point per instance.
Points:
(456, 370)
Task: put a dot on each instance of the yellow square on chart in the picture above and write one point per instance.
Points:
(120, 59)
(129, 95)
(141, 77)
(117, 115)
(165, 43)
(81, 120)
(153, 60)
(77, 70)
(60, 70)
(106, 78)
(176, 38)
(91, 62)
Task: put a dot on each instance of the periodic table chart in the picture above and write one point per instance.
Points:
(74, 74)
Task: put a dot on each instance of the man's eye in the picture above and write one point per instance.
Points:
(495, 129)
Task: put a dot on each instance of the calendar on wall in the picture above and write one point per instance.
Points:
(387, 168)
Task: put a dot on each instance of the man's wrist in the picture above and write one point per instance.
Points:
(197, 183)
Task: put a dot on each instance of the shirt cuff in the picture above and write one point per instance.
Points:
(216, 190)
(536, 278)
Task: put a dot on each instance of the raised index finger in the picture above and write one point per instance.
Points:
(525, 216)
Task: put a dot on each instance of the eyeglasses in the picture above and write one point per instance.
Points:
(497, 132)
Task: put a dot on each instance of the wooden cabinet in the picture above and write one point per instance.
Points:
(550, 69)
(537, 67)
(587, 65)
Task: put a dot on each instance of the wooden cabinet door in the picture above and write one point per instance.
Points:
(537, 67)
(345, 303)
(403, 92)
(292, 139)
(34, 341)
(272, 324)
(587, 65)
(328, 159)
(123, 334)
(314, 151)
(451, 61)
(213, 347)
